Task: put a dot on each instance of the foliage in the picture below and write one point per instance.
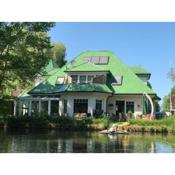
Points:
(101, 123)
(165, 125)
(23, 122)
(58, 53)
(63, 123)
(167, 121)
(22, 52)
(166, 103)
(6, 107)
(166, 100)
(171, 74)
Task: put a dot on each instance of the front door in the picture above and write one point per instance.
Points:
(120, 107)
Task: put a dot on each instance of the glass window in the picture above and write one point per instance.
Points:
(129, 106)
(65, 106)
(74, 78)
(99, 79)
(44, 106)
(90, 78)
(82, 78)
(98, 105)
(54, 107)
(117, 80)
(80, 105)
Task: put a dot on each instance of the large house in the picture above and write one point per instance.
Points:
(93, 83)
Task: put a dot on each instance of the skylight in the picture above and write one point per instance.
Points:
(97, 59)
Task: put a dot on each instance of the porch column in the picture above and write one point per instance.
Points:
(104, 105)
(30, 109)
(39, 107)
(14, 110)
(61, 107)
(49, 107)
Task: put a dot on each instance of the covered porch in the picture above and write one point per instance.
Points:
(36, 106)
(130, 105)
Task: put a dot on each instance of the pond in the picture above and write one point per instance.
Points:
(53, 141)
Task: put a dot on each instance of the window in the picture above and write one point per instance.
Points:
(82, 78)
(103, 60)
(129, 106)
(60, 80)
(99, 79)
(54, 107)
(80, 105)
(65, 106)
(95, 59)
(117, 79)
(44, 106)
(74, 78)
(90, 78)
(98, 105)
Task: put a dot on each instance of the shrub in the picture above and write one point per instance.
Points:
(6, 107)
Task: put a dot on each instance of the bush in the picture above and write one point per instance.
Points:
(101, 123)
(63, 123)
(164, 125)
(23, 122)
(6, 107)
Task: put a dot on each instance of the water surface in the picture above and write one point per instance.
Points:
(53, 141)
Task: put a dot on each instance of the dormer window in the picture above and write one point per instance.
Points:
(117, 80)
(60, 80)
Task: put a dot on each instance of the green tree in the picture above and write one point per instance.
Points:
(171, 74)
(166, 100)
(166, 103)
(58, 53)
(23, 49)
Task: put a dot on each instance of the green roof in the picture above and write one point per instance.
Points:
(139, 70)
(89, 87)
(131, 83)
(86, 67)
(45, 88)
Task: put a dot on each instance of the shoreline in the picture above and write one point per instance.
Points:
(69, 124)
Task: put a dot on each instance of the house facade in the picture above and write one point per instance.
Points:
(93, 83)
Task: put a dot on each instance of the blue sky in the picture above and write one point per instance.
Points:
(151, 45)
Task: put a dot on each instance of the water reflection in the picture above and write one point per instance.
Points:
(51, 141)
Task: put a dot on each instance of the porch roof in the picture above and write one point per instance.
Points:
(87, 87)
